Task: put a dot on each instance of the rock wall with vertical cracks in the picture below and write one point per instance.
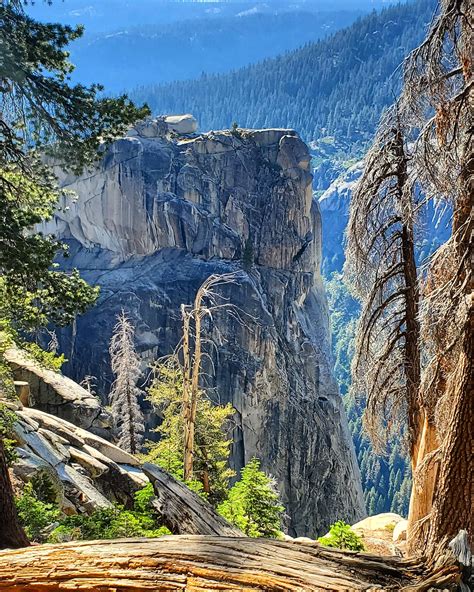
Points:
(160, 214)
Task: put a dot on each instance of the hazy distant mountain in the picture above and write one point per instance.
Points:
(334, 89)
(129, 57)
(107, 15)
(127, 43)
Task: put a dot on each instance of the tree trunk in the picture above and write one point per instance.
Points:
(12, 535)
(453, 507)
(198, 564)
(187, 435)
(182, 510)
(424, 474)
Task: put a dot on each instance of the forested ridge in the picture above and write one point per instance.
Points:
(124, 58)
(337, 86)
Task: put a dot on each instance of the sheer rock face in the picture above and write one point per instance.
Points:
(158, 217)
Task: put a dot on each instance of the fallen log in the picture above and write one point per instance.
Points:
(205, 563)
(182, 510)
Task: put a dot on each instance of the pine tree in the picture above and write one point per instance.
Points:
(40, 111)
(125, 394)
(248, 254)
(211, 472)
(253, 503)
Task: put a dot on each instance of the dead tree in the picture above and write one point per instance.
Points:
(198, 563)
(382, 271)
(125, 394)
(436, 121)
(437, 99)
(206, 303)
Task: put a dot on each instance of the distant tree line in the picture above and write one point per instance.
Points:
(337, 86)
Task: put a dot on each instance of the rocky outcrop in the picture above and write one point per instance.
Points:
(84, 471)
(54, 393)
(151, 223)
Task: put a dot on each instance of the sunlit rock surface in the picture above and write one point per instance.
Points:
(155, 219)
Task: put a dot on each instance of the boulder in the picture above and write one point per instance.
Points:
(29, 465)
(181, 124)
(93, 466)
(83, 468)
(377, 533)
(84, 495)
(386, 521)
(56, 394)
(152, 127)
(400, 531)
(39, 445)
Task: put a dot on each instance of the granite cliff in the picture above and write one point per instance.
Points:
(161, 213)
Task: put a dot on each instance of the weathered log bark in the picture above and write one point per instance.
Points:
(182, 510)
(11, 533)
(199, 564)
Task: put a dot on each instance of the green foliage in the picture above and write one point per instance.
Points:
(43, 488)
(35, 515)
(212, 446)
(43, 113)
(114, 522)
(32, 292)
(7, 421)
(143, 498)
(234, 130)
(7, 387)
(248, 254)
(253, 504)
(107, 523)
(47, 359)
(43, 520)
(342, 536)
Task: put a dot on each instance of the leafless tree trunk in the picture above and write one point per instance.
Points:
(188, 421)
(199, 563)
(12, 535)
(206, 303)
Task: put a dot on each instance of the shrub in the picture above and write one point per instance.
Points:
(47, 359)
(7, 421)
(253, 504)
(342, 536)
(114, 522)
(212, 442)
(35, 515)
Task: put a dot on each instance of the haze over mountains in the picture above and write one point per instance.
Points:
(160, 40)
(336, 87)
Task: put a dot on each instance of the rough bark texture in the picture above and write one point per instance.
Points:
(11, 533)
(157, 218)
(199, 564)
(182, 510)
